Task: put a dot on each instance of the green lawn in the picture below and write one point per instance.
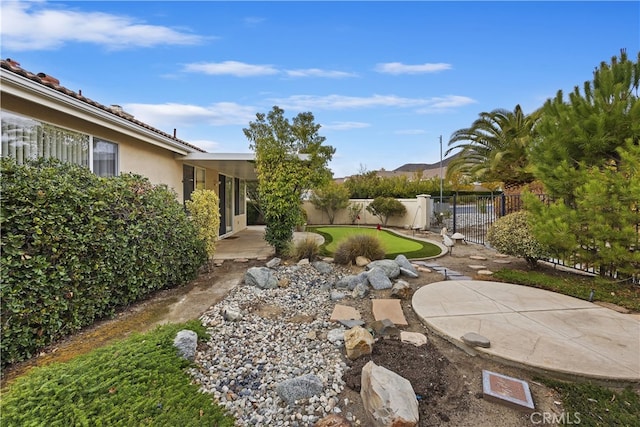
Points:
(392, 243)
(135, 382)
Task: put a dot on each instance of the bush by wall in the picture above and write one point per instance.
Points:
(75, 247)
(204, 209)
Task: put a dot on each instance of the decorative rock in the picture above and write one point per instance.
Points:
(336, 296)
(304, 261)
(322, 267)
(186, 342)
(333, 420)
(475, 340)
(302, 387)
(409, 273)
(360, 291)
(273, 263)
(388, 398)
(385, 328)
(284, 282)
(424, 270)
(231, 314)
(358, 342)
(401, 289)
(458, 238)
(478, 257)
(351, 323)
(378, 279)
(390, 268)
(477, 266)
(260, 277)
(414, 338)
(485, 272)
(362, 261)
(351, 281)
(404, 263)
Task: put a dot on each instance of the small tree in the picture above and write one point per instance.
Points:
(512, 235)
(386, 207)
(354, 209)
(204, 209)
(330, 198)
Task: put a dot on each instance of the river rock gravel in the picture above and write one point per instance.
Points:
(281, 335)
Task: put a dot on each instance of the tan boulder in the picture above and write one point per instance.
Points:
(358, 342)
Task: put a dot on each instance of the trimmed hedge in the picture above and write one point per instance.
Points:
(76, 247)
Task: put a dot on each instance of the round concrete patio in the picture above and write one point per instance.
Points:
(542, 330)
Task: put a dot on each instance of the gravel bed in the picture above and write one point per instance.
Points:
(281, 335)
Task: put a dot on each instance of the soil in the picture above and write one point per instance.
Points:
(447, 380)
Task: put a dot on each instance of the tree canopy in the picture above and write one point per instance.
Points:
(290, 159)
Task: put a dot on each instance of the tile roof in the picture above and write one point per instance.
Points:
(53, 83)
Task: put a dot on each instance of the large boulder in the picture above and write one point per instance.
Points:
(302, 387)
(186, 342)
(351, 281)
(378, 279)
(388, 398)
(389, 266)
(406, 268)
(261, 277)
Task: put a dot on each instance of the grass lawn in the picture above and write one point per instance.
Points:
(392, 243)
(136, 382)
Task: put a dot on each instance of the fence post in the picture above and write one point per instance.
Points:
(454, 211)
(503, 205)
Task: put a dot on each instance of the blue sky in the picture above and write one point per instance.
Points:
(384, 79)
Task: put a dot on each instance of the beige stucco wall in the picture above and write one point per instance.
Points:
(417, 216)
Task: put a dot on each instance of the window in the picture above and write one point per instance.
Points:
(200, 179)
(24, 138)
(240, 196)
(105, 158)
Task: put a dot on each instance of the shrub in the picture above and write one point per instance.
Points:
(512, 235)
(359, 245)
(307, 248)
(386, 207)
(204, 209)
(354, 210)
(76, 246)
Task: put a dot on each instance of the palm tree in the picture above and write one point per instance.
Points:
(495, 147)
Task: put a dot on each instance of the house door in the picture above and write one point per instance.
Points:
(188, 183)
(221, 195)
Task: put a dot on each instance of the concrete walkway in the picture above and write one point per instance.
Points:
(250, 244)
(542, 330)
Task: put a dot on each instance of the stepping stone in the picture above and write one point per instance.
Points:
(475, 340)
(415, 338)
(344, 312)
(350, 323)
(506, 390)
(502, 256)
(388, 309)
(502, 261)
(485, 272)
(478, 257)
(478, 267)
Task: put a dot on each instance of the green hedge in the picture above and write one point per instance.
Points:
(76, 247)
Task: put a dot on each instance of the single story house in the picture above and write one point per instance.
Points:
(42, 118)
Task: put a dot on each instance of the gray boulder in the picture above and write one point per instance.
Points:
(378, 279)
(405, 264)
(302, 387)
(322, 267)
(273, 263)
(186, 342)
(260, 277)
(391, 268)
(360, 291)
(350, 281)
(388, 398)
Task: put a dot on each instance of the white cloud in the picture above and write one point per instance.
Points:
(329, 102)
(233, 68)
(39, 26)
(446, 103)
(345, 125)
(219, 114)
(317, 72)
(400, 68)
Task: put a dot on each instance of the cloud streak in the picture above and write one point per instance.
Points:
(397, 68)
(28, 26)
(218, 114)
(341, 102)
(231, 68)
